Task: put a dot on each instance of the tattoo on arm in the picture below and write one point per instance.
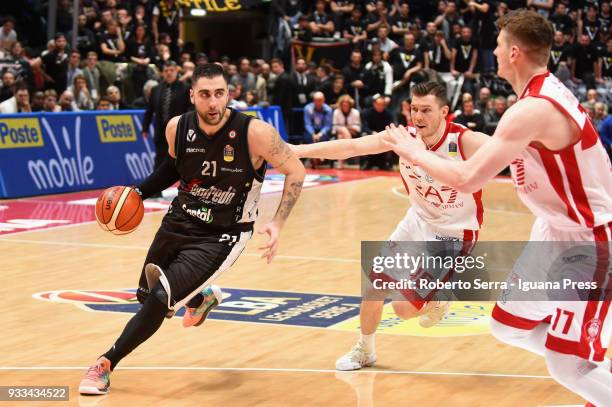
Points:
(279, 148)
(290, 196)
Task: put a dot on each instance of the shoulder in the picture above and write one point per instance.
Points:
(258, 128)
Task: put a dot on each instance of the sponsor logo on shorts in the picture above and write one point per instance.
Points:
(191, 135)
(195, 150)
(447, 238)
(19, 133)
(228, 153)
(203, 213)
(116, 129)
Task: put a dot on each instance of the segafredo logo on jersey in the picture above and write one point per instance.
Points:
(214, 194)
(116, 128)
(18, 133)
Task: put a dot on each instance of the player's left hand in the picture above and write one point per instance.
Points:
(273, 230)
(400, 141)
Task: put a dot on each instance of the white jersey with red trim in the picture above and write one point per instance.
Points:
(570, 188)
(439, 205)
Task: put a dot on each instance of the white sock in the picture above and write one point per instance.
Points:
(367, 341)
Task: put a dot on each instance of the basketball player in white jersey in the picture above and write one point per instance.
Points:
(438, 213)
(563, 175)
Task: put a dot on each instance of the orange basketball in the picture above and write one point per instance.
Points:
(119, 210)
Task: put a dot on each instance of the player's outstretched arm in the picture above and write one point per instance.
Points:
(515, 131)
(165, 175)
(342, 149)
(264, 141)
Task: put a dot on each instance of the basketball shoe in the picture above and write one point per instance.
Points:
(196, 316)
(356, 358)
(97, 378)
(436, 313)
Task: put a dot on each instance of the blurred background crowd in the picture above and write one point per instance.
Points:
(337, 69)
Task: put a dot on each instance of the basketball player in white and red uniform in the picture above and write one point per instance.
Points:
(563, 175)
(438, 212)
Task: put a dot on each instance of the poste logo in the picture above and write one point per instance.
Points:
(116, 128)
(16, 133)
(314, 310)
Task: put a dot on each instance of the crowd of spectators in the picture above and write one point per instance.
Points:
(124, 45)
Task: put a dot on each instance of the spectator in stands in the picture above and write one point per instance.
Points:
(8, 35)
(560, 53)
(333, 93)
(86, 39)
(143, 101)
(112, 44)
(284, 93)
(605, 134)
(561, 20)
(244, 76)
(50, 103)
(470, 118)
(341, 10)
(585, 58)
(404, 117)
(82, 96)
(605, 64)
(448, 17)
(305, 82)
(66, 102)
(600, 111)
(304, 30)
(8, 86)
(114, 95)
(169, 99)
(38, 101)
(166, 17)
(376, 18)
(73, 67)
(346, 121)
(378, 77)
(590, 25)
(19, 102)
(321, 22)
(92, 74)
(493, 116)
(317, 120)
(126, 24)
(484, 95)
(401, 23)
(464, 59)
(234, 97)
(23, 66)
(407, 63)
(187, 72)
(354, 28)
(483, 21)
(354, 75)
(138, 51)
(56, 64)
(161, 56)
(512, 99)
(264, 78)
(251, 99)
(543, 7)
(592, 97)
(386, 45)
(375, 119)
(104, 104)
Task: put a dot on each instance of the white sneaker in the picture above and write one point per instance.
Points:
(356, 359)
(438, 311)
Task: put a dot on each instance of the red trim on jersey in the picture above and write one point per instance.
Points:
(568, 347)
(478, 194)
(506, 318)
(405, 183)
(439, 143)
(534, 85)
(570, 163)
(556, 180)
(589, 134)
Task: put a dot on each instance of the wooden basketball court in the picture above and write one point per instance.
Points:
(248, 363)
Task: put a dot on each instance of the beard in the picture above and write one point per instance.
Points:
(213, 122)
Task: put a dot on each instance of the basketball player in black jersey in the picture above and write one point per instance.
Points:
(219, 156)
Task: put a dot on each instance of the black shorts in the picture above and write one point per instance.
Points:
(190, 256)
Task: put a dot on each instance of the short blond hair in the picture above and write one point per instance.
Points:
(346, 98)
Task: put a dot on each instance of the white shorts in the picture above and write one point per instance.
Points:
(580, 328)
(412, 228)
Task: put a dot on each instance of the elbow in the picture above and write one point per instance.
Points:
(468, 183)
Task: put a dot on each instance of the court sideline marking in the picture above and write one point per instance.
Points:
(285, 370)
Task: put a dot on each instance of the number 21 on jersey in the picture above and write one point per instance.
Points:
(209, 168)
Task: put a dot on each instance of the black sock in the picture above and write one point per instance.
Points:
(140, 328)
(196, 301)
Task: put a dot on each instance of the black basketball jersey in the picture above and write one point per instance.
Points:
(218, 185)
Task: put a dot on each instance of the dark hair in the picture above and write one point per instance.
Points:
(104, 99)
(430, 88)
(208, 70)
